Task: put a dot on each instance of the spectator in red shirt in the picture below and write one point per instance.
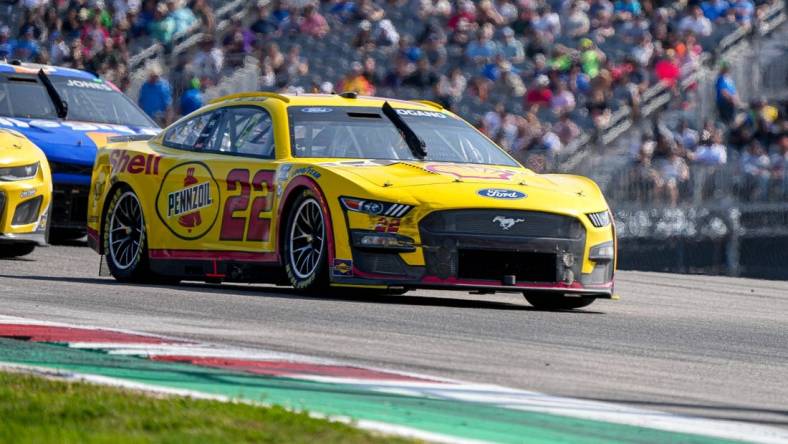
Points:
(540, 94)
(667, 69)
(467, 11)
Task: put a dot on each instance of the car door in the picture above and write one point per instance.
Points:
(185, 206)
(238, 157)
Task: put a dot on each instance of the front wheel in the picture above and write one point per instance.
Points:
(552, 301)
(16, 250)
(124, 238)
(305, 247)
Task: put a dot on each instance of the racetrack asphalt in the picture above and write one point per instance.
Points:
(712, 347)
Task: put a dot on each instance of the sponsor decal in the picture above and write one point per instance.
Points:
(372, 207)
(96, 84)
(387, 224)
(76, 126)
(47, 69)
(306, 171)
(360, 163)
(499, 193)
(470, 171)
(316, 110)
(282, 176)
(122, 161)
(188, 200)
(342, 267)
(507, 222)
(27, 193)
(420, 113)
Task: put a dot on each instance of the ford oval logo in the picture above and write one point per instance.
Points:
(498, 193)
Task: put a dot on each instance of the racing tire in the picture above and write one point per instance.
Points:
(124, 240)
(305, 245)
(552, 301)
(16, 250)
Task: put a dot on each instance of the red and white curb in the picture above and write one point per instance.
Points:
(271, 363)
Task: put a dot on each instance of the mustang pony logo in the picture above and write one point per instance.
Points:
(506, 222)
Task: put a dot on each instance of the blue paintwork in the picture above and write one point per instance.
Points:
(65, 141)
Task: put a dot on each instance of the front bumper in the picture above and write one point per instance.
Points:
(462, 250)
(23, 220)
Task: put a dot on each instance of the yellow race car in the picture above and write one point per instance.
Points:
(25, 195)
(339, 190)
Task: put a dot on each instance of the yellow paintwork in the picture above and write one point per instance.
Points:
(17, 150)
(445, 186)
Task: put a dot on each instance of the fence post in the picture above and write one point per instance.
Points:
(732, 250)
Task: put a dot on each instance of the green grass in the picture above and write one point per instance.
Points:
(40, 410)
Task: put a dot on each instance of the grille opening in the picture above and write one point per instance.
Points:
(27, 212)
(70, 205)
(494, 265)
(381, 263)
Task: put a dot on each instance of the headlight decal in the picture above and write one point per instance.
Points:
(23, 172)
(600, 219)
(374, 207)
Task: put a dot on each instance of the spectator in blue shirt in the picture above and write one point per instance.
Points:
(25, 48)
(727, 99)
(744, 11)
(191, 100)
(627, 8)
(155, 96)
(5, 43)
(714, 9)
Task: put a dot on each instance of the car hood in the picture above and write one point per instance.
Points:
(16, 150)
(440, 184)
(70, 141)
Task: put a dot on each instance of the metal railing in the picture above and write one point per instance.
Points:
(659, 95)
(640, 185)
(187, 38)
(247, 78)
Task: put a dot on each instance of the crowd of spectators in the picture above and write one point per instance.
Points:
(742, 154)
(99, 35)
(541, 71)
(547, 62)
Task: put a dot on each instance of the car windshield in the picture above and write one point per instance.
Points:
(366, 133)
(88, 101)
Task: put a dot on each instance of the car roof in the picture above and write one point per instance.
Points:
(57, 71)
(328, 100)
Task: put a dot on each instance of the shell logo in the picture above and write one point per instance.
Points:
(471, 171)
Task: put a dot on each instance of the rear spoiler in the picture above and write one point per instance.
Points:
(132, 138)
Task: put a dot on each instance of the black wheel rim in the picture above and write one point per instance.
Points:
(125, 231)
(307, 239)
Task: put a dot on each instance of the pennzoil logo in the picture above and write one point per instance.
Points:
(188, 200)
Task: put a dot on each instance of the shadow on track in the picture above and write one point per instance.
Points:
(344, 294)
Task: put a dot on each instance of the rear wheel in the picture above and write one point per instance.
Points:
(125, 241)
(305, 247)
(16, 249)
(552, 301)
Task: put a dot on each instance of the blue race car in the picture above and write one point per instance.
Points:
(68, 113)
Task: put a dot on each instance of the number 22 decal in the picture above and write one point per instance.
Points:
(234, 225)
